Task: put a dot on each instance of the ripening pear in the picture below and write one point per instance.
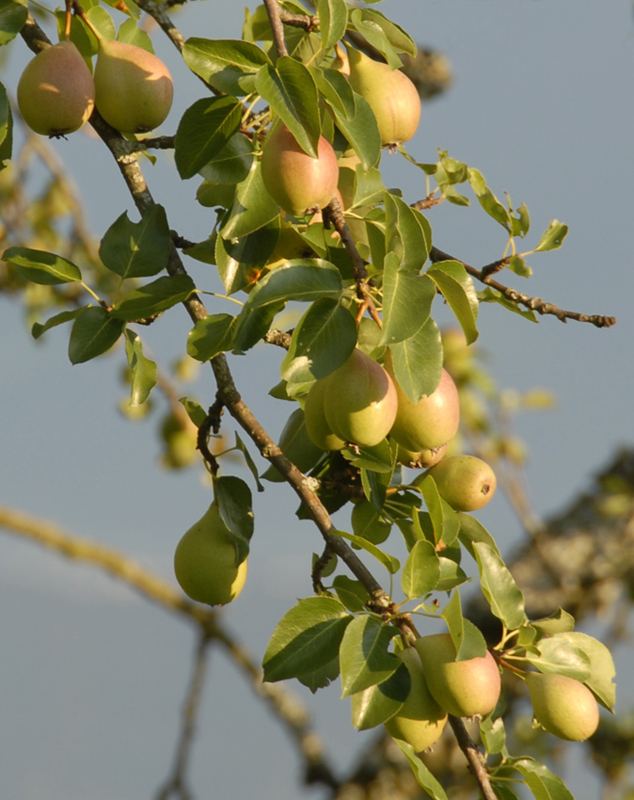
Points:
(422, 460)
(317, 427)
(56, 92)
(296, 181)
(134, 88)
(206, 563)
(431, 422)
(391, 94)
(360, 401)
(563, 706)
(467, 483)
(463, 688)
(420, 720)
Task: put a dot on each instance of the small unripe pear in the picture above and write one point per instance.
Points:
(463, 688)
(467, 483)
(296, 181)
(206, 563)
(134, 88)
(360, 401)
(317, 427)
(431, 422)
(56, 92)
(563, 706)
(420, 720)
(422, 460)
(391, 94)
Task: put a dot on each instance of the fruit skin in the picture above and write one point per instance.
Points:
(463, 688)
(360, 401)
(422, 460)
(467, 483)
(296, 181)
(420, 720)
(563, 706)
(56, 92)
(205, 561)
(391, 94)
(431, 422)
(134, 88)
(317, 427)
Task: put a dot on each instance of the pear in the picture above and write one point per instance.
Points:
(463, 688)
(421, 460)
(563, 706)
(56, 92)
(134, 88)
(206, 563)
(467, 483)
(317, 427)
(431, 422)
(420, 720)
(391, 94)
(296, 181)
(360, 401)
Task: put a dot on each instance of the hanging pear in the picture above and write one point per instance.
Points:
(56, 92)
(134, 88)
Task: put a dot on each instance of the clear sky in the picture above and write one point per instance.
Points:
(93, 677)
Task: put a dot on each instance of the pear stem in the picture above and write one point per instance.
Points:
(79, 12)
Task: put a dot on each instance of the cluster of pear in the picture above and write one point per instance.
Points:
(362, 402)
(300, 183)
(132, 88)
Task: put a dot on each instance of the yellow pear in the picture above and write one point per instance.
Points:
(134, 88)
(317, 427)
(563, 706)
(467, 483)
(206, 563)
(56, 92)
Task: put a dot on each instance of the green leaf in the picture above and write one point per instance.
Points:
(561, 657)
(130, 33)
(229, 65)
(493, 735)
(544, 784)
(194, 410)
(137, 249)
(417, 362)
(306, 638)
(602, 671)
(472, 531)
(490, 295)
(451, 575)
(203, 131)
(362, 132)
(376, 704)
(376, 459)
(498, 587)
(240, 445)
(488, 200)
(395, 35)
(322, 677)
(407, 301)
(457, 288)
(333, 20)
(210, 336)
(421, 571)
(235, 504)
(297, 279)
(444, 519)
(59, 319)
(519, 267)
(375, 486)
(369, 523)
(559, 622)
(252, 324)
(322, 341)
(334, 87)
(230, 165)
(143, 370)
(350, 592)
(39, 266)
(521, 224)
(553, 237)
(466, 638)
(296, 445)
(154, 298)
(290, 90)
(241, 260)
(13, 14)
(421, 773)
(408, 233)
(252, 208)
(391, 564)
(363, 656)
(6, 127)
(94, 331)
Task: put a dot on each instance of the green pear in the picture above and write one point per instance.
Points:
(360, 401)
(467, 483)
(422, 460)
(420, 720)
(134, 88)
(317, 427)
(563, 706)
(431, 422)
(206, 563)
(296, 181)
(463, 688)
(56, 92)
(391, 94)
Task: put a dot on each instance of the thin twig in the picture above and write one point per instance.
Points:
(473, 756)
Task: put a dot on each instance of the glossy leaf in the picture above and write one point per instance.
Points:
(396, 36)
(376, 704)
(298, 279)
(204, 131)
(559, 622)
(560, 656)
(6, 126)
(444, 519)
(375, 486)
(490, 295)
(13, 14)
(368, 522)
(363, 656)
(417, 361)
(407, 301)
(296, 445)
(154, 297)
(408, 233)
(350, 592)
(421, 773)
(493, 735)
(252, 208)
(498, 586)
(552, 237)
(137, 249)
(488, 200)
(543, 783)
(421, 571)
(94, 331)
(230, 65)
(602, 671)
(451, 575)
(376, 459)
(143, 370)
(252, 324)
(240, 261)
(458, 290)
(335, 88)
(391, 564)
(333, 20)
(235, 504)
(39, 266)
(230, 165)
(59, 319)
(362, 132)
(467, 639)
(130, 33)
(240, 445)
(210, 336)
(306, 638)
(375, 36)
(321, 677)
